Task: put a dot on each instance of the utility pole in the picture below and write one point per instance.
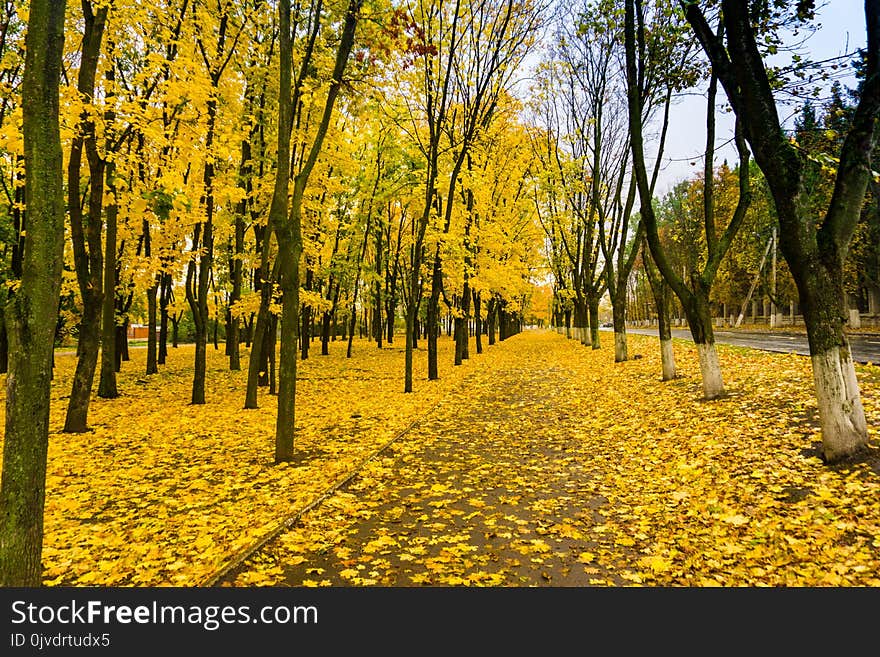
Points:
(773, 283)
(745, 303)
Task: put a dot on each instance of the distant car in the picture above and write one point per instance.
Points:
(607, 324)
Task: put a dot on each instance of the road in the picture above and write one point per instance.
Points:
(865, 347)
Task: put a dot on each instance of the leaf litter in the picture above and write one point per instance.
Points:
(537, 463)
(610, 477)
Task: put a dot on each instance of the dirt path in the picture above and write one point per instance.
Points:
(492, 489)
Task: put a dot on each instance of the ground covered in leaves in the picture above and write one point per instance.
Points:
(537, 463)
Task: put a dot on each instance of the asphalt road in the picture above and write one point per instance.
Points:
(865, 347)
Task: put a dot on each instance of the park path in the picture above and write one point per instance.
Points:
(548, 464)
(492, 488)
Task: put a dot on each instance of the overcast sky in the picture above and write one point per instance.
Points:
(842, 30)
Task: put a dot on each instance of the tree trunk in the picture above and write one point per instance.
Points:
(32, 311)
(268, 340)
(699, 319)
(841, 414)
(164, 300)
(86, 242)
(325, 333)
(175, 329)
(390, 310)
(594, 323)
(249, 331)
(462, 342)
(4, 343)
(491, 315)
(377, 291)
(107, 383)
(478, 328)
(198, 275)
(289, 251)
(352, 323)
(152, 366)
(661, 292)
(710, 370)
(328, 322)
(122, 354)
(815, 251)
(306, 331)
(289, 231)
(433, 320)
(618, 313)
(233, 330)
(263, 339)
(76, 420)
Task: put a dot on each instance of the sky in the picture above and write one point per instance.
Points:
(842, 29)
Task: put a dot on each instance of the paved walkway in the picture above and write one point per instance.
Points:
(491, 489)
(551, 465)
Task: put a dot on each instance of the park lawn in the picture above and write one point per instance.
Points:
(165, 493)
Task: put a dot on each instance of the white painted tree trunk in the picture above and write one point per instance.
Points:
(667, 360)
(620, 351)
(841, 415)
(586, 339)
(710, 369)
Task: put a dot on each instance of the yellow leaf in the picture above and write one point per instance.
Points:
(735, 519)
(656, 563)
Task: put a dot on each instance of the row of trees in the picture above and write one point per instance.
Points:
(275, 168)
(603, 90)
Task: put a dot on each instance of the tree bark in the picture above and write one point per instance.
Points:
(593, 304)
(152, 343)
(32, 311)
(107, 382)
(478, 324)
(264, 340)
(660, 290)
(164, 300)
(306, 316)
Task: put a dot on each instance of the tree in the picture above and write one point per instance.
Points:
(288, 226)
(12, 30)
(87, 251)
(435, 36)
(815, 250)
(660, 291)
(693, 294)
(32, 311)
